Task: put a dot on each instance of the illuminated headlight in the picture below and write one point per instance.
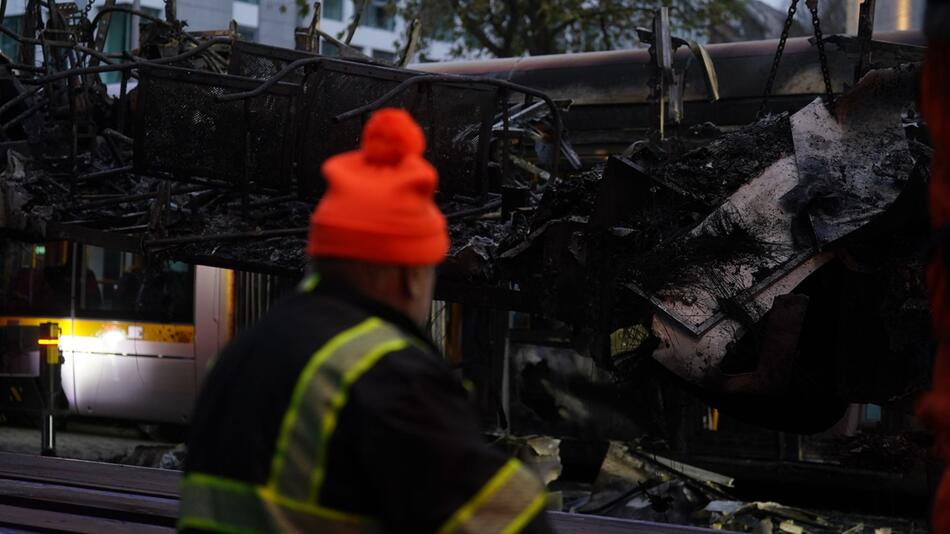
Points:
(112, 337)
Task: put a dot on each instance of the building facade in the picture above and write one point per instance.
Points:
(889, 15)
(381, 31)
(269, 22)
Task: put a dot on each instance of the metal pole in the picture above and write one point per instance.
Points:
(355, 22)
(51, 364)
(102, 33)
(171, 12)
(865, 35)
(312, 43)
(415, 31)
(134, 21)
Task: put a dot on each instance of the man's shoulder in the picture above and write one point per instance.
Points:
(411, 374)
(414, 357)
(302, 317)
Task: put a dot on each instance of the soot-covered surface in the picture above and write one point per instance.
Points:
(711, 173)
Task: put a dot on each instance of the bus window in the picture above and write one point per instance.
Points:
(124, 286)
(34, 278)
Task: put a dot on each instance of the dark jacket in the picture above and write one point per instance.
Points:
(380, 434)
(937, 21)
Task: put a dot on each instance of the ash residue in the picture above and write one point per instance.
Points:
(32, 196)
(896, 453)
(715, 171)
(462, 232)
(224, 215)
(574, 196)
(674, 264)
(475, 245)
(477, 241)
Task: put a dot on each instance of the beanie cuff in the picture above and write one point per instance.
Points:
(346, 243)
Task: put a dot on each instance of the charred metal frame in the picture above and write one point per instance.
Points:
(180, 198)
(308, 71)
(460, 114)
(159, 85)
(865, 35)
(253, 60)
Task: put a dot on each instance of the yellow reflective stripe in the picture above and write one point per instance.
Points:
(468, 509)
(327, 381)
(211, 481)
(270, 495)
(527, 515)
(497, 502)
(339, 400)
(309, 283)
(287, 425)
(252, 509)
(222, 505)
(214, 526)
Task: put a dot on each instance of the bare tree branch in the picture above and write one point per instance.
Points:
(474, 28)
(608, 42)
(515, 27)
(561, 27)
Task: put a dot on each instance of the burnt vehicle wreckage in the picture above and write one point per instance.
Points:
(766, 251)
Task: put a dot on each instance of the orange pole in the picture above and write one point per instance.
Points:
(934, 407)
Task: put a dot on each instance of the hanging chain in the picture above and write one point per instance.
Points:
(85, 30)
(823, 58)
(778, 57)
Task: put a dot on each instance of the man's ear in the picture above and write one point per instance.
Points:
(408, 285)
(415, 284)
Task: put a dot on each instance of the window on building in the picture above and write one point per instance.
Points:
(441, 28)
(120, 285)
(254, 2)
(8, 44)
(333, 9)
(119, 37)
(383, 55)
(379, 14)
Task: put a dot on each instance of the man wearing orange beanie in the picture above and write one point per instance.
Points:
(335, 413)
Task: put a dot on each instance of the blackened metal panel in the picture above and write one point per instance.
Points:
(460, 116)
(328, 91)
(183, 130)
(450, 115)
(253, 60)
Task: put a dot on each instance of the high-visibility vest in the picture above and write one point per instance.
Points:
(290, 499)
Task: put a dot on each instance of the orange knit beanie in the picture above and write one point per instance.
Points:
(379, 204)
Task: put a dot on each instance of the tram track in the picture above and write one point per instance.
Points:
(61, 495)
(43, 494)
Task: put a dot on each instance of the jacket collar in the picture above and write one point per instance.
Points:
(338, 289)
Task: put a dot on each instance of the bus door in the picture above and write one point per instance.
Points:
(165, 344)
(138, 321)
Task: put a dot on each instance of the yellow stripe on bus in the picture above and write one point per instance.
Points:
(157, 332)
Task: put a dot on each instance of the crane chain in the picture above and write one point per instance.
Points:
(822, 56)
(778, 57)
